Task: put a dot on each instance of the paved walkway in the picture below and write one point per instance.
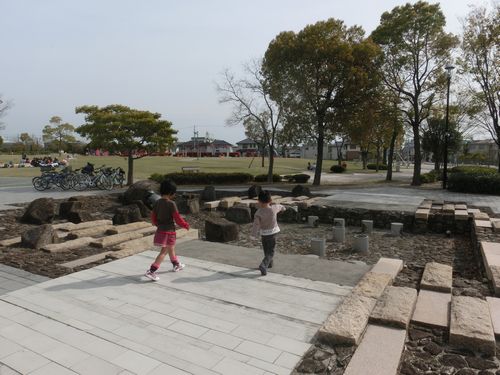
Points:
(13, 279)
(211, 318)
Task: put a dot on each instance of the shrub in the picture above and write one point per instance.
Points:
(337, 168)
(204, 178)
(263, 178)
(300, 178)
(474, 183)
(431, 176)
(473, 170)
(373, 166)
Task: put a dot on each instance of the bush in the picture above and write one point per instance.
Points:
(431, 176)
(373, 166)
(298, 178)
(263, 178)
(474, 183)
(204, 178)
(473, 170)
(337, 168)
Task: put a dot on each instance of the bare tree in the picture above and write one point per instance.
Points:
(250, 99)
(4, 106)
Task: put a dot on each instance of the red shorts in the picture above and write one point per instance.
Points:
(164, 238)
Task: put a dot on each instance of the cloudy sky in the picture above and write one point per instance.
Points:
(159, 55)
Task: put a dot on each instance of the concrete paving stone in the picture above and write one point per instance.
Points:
(372, 284)
(395, 307)
(461, 215)
(7, 347)
(88, 232)
(173, 361)
(495, 277)
(252, 334)
(288, 360)
(15, 331)
(229, 366)
(128, 227)
(136, 362)
(86, 260)
(437, 277)
(470, 325)
(422, 213)
(494, 306)
(52, 369)
(38, 343)
(347, 324)
(388, 266)
(10, 241)
(4, 370)
(221, 339)
(432, 309)
(380, 359)
(266, 366)
(158, 319)
(255, 350)
(491, 256)
(188, 329)
(25, 361)
(229, 353)
(203, 320)
(164, 369)
(288, 345)
(94, 365)
(68, 245)
(135, 346)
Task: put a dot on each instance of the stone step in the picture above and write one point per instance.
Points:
(372, 284)
(388, 266)
(395, 307)
(128, 227)
(470, 325)
(10, 242)
(432, 309)
(116, 239)
(422, 213)
(449, 208)
(495, 279)
(495, 223)
(462, 215)
(86, 224)
(480, 216)
(494, 305)
(68, 245)
(88, 232)
(87, 260)
(346, 325)
(379, 353)
(228, 202)
(472, 211)
(460, 207)
(482, 226)
(437, 277)
(211, 205)
(491, 256)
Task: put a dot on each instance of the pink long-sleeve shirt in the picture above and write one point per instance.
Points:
(265, 221)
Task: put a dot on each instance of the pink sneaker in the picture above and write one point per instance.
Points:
(152, 275)
(178, 267)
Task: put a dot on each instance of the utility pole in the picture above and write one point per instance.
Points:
(195, 142)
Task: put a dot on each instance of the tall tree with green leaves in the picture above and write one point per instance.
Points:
(416, 49)
(480, 60)
(316, 73)
(118, 128)
(58, 133)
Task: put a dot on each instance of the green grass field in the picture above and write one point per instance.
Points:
(146, 166)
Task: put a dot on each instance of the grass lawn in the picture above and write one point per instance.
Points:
(146, 166)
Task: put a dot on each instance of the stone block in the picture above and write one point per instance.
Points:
(290, 215)
(375, 359)
(40, 211)
(449, 208)
(208, 194)
(188, 203)
(422, 213)
(472, 211)
(246, 203)
(89, 232)
(127, 227)
(300, 190)
(301, 198)
(395, 307)
(348, 323)
(436, 208)
(470, 325)
(116, 239)
(66, 207)
(437, 277)
(425, 205)
(481, 216)
(127, 214)
(37, 237)
(79, 216)
(240, 215)
(494, 305)
(228, 202)
(496, 225)
(461, 215)
(87, 260)
(220, 230)
(491, 256)
(87, 224)
(495, 278)
(482, 226)
(388, 266)
(312, 221)
(68, 245)
(254, 191)
(211, 205)
(372, 284)
(145, 211)
(432, 309)
(10, 241)
(132, 247)
(146, 231)
(460, 207)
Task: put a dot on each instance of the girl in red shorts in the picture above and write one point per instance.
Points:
(165, 215)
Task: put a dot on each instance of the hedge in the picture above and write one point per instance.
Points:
(263, 178)
(431, 176)
(474, 183)
(474, 170)
(300, 178)
(381, 167)
(204, 178)
(337, 168)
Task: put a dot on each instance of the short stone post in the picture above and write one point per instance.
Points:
(339, 234)
(360, 243)
(313, 221)
(339, 222)
(318, 246)
(398, 166)
(396, 229)
(367, 226)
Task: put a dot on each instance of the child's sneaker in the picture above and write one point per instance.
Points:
(178, 267)
(152, 275)
(263, 270)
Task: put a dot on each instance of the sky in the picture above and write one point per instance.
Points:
(159, 55)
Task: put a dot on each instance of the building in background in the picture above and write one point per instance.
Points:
(202, 146)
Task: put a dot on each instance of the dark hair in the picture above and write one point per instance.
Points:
(167, 187)
(264, 196)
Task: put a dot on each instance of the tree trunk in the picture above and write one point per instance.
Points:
(130, 172)
(364, 158)
(271, 164)
(388, 176)
(319, 156)
(384, 155)
(378, 159)
(436, 165)
(417, 166)
(263, 159)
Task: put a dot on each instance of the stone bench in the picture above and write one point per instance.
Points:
(190, 169)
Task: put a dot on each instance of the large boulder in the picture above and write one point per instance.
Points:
(239, 214)
(301, 190)
(208, 194)
(38, 237)
(253, 191)
(145, 211)
(290, 215)
(127, 214)
(79, 216)
(140, 191)
(220, 230)
(188, 203)
(70, 205)
(40, 211)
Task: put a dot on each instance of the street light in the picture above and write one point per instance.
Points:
(448, 68)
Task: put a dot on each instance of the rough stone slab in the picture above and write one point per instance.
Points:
(472, 211)
(449, 207)
(432, 309)
(246, 203)
(211, 205)
(347, 324)
(482, 225)
(495, 279)
(89, 232)
(68, 245)
(470, 325)
(379, 353)
(306, 203)
(496, 225)
(283, 200)
(115, 239)
(146, 230)
(228, 202)
(436, 207)
(301, 198)
(461, 207)
(481, 216)
(437, 277)
(86, 260)
(389, 266)
(128, 227)
(395, 307)
(425, 205)
(10, 241)
(494, 305)
(86, 224)
(461, 215)
(274, 197)
(422, 213)
(491, 256)
(372, 284)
